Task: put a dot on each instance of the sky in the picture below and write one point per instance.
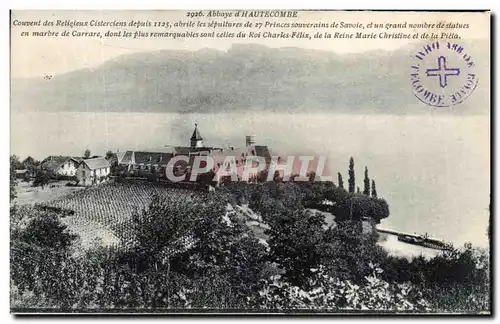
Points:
(35, 57)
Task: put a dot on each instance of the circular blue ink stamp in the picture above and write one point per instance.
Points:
(442, 74)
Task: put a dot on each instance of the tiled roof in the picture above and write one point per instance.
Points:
(127, 158)
(219, 156)
(115, 157)
(182, 150)
(152, 157)
(97, 163)
(57, 158)
(54, 162)
(120, 156)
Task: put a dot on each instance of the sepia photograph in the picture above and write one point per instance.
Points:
(250, 162)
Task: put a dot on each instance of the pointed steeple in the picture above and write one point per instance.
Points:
(196, 134)
(196, 139)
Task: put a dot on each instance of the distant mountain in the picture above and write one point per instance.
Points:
(249, 78)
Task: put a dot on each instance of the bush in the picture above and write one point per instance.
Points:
(201, 262)
(346, 251)
(294, 239)
(42, 178)
(455, 280)
(326, 293)
(193, 251)
(46, 231)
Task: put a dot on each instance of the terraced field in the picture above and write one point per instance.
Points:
(111, 205)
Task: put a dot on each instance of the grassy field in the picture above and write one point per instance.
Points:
(27, 194)
(104, 211)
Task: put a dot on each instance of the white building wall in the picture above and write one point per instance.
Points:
(89, 177)
(67, 169)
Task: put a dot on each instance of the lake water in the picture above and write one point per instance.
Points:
(434, 171)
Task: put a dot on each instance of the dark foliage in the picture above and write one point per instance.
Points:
(198, 252)
(30, 162)
(374, 189)
(13, 180)
(449, 279)
(347, 251)
(42, 177)
(294, 238)
(366, 188)
(340, 180)
(352, 180)
(46, 231)
(15, 163)
(109, 155)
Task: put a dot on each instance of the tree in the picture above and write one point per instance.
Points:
(162, 230)
(196, 227)
(262, 176)
(86, 154)
(46, 230)
(109, 155)
(277, 177)
(13, 180)
(346, 251)
(13, 184)
(30, 162)
(366, 189)
(245, 266)
(294, 238)
(15, 163)
(374, 189)
(352, 180)
(41, 178)
(341, 182)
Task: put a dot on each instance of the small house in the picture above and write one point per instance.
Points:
(61, 165)
(93, 171)
(21, 174)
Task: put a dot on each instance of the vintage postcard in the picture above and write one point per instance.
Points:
(250, 161)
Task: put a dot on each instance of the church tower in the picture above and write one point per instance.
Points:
(196, 139)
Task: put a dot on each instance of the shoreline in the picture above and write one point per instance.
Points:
(397, 248)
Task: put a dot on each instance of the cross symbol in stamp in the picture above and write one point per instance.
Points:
(443, 72)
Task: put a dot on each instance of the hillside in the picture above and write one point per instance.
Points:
(245, 78)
